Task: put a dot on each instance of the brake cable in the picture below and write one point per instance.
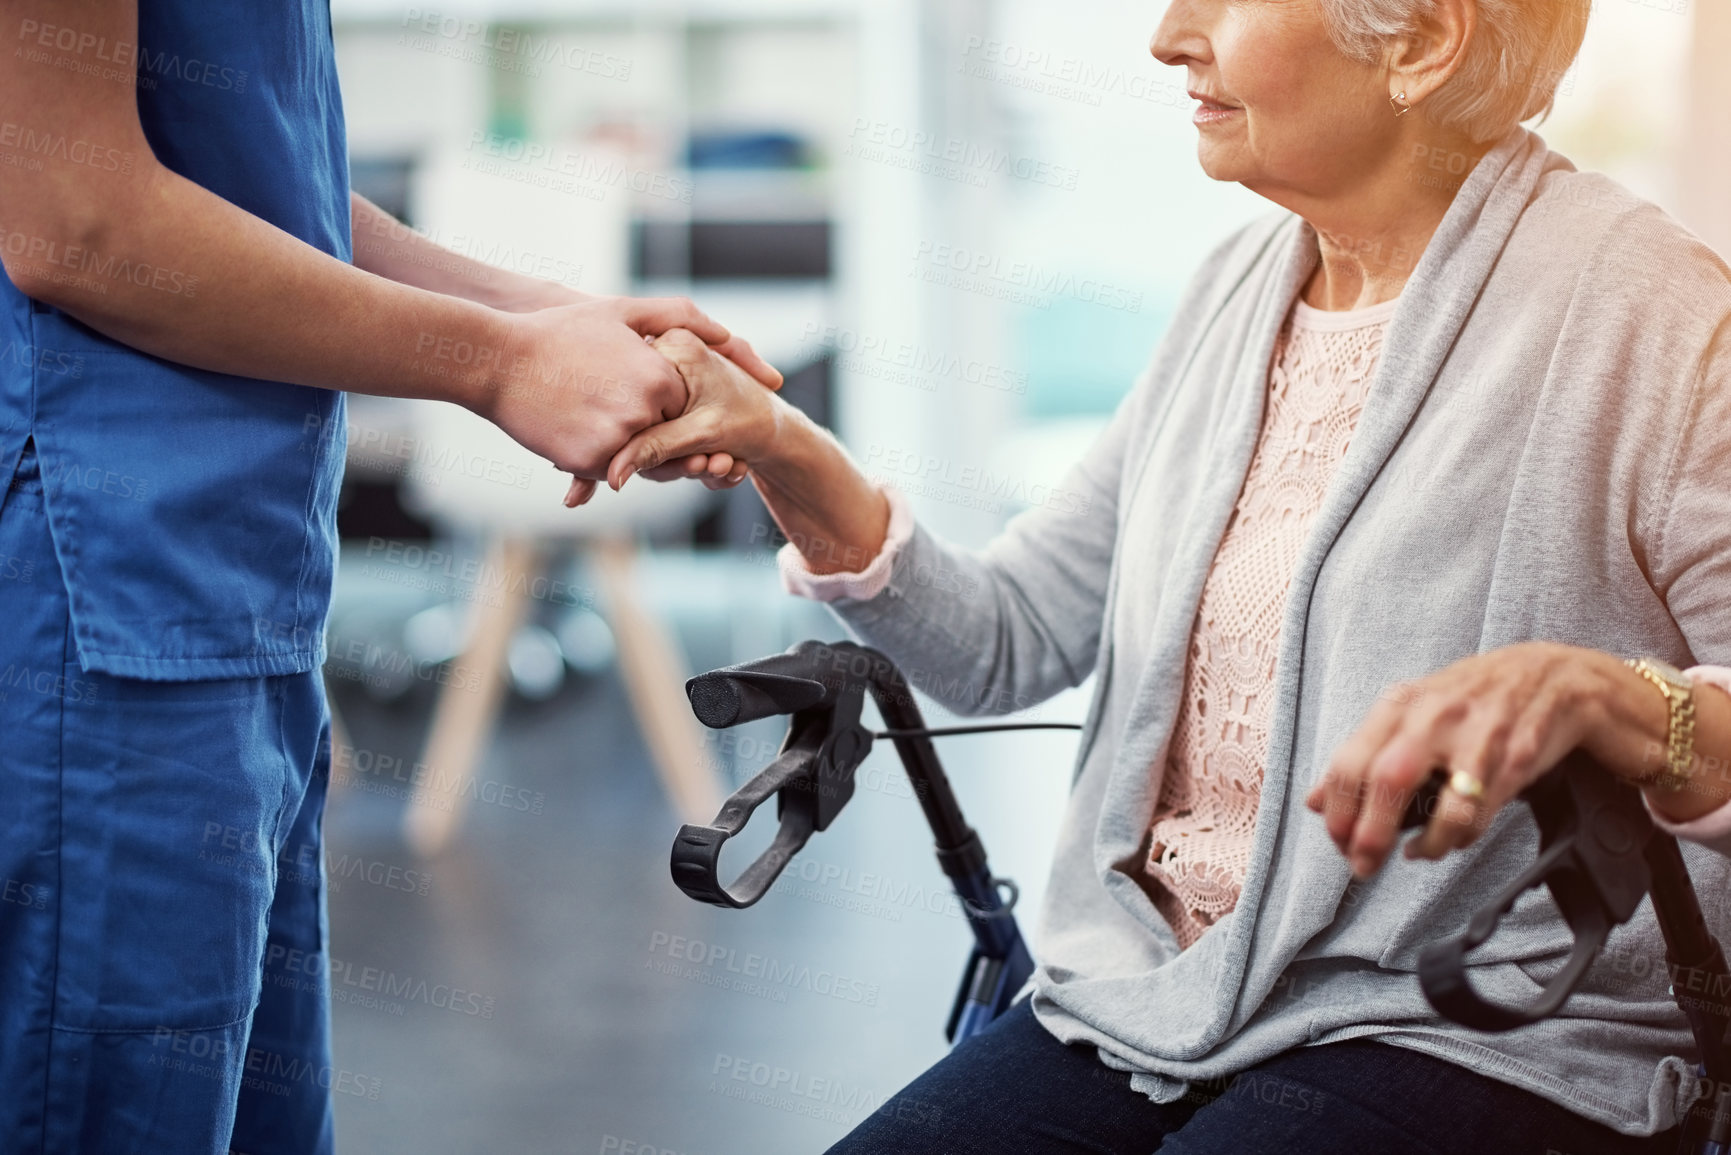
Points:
(947, 731)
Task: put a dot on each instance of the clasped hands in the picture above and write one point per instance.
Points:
(664, 392)
(730, 418)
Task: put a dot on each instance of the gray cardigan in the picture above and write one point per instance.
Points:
(1545, 453)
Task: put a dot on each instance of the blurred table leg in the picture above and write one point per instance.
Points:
(655, 675)
(469, 703)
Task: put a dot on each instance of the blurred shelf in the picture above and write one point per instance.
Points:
(732, 250)
(745, 195)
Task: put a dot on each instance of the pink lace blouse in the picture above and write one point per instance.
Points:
(1206, 809)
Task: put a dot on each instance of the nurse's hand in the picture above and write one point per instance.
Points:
(574, 382)
(388, 248)
(532, 294)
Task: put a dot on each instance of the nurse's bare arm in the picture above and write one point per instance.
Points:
(95, 226)
(385, 246)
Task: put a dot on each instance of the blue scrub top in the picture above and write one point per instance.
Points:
(194, 513)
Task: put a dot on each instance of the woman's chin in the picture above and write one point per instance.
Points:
(1220, 160)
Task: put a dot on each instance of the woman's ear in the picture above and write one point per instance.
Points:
(1428, 57)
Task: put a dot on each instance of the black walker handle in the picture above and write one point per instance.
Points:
(823, 685)
(1593, 838)
(811, 779)
(763, 689)
(1600, 854)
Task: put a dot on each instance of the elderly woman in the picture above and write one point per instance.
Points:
(1411, 423)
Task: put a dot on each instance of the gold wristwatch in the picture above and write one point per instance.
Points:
(1679, 694)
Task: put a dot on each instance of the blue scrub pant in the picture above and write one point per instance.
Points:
(162, 930)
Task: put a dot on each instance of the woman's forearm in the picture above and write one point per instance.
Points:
(834, 516)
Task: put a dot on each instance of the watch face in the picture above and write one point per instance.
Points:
(1669, 672)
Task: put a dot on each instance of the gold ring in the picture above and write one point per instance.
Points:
(1466, 785)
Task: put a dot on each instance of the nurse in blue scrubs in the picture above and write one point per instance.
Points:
(178, 320)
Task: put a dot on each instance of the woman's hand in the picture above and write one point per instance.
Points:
(1504, 718)
(699, 364)
(718, 470)
(820, 500)
(729, 422)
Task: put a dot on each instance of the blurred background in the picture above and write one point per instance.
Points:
(959, 226)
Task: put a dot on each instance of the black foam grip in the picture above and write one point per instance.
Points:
(726, 698)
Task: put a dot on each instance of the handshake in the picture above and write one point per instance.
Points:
(665, 392)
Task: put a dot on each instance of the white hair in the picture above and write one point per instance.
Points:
(1518, 55)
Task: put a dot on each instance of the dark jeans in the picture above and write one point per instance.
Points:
(1015, 1090)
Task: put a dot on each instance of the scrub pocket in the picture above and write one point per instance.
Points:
(173, 796)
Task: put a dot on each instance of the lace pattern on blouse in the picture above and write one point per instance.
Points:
(1205, 815)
